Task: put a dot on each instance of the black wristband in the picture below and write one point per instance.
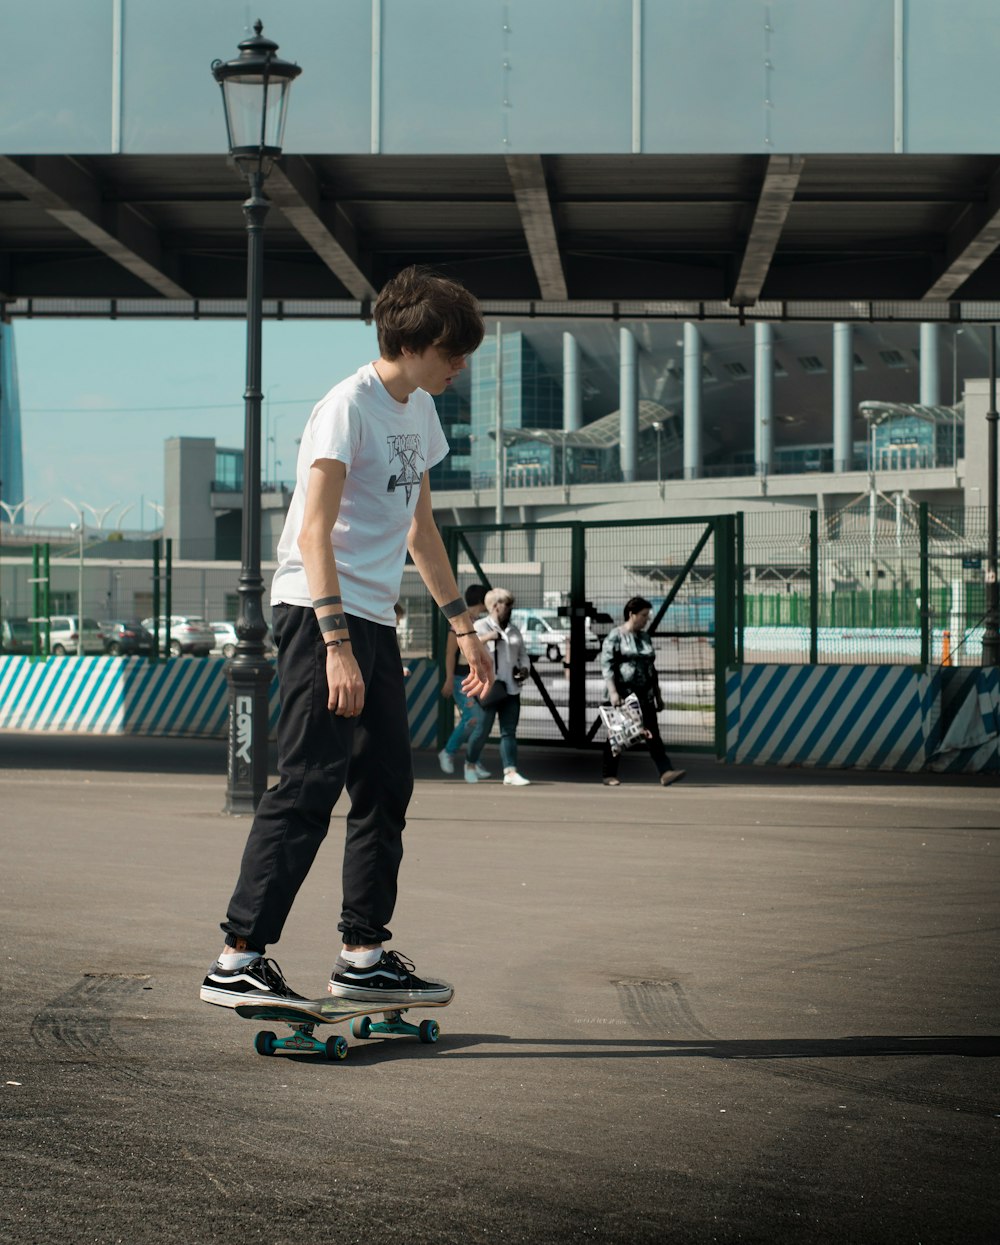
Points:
(333, 622)
(327, 601)
(338, 643)
(454, 609)
(472, 632)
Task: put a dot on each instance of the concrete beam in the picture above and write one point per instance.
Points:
(773, 205)
(66, 191)
(531, 192)
(972, 240)
(292, 186)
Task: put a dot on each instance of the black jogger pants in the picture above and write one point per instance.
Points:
(318, 755)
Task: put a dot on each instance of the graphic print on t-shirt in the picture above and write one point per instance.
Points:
(407, 448)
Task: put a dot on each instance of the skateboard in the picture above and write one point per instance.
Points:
(303, 1018)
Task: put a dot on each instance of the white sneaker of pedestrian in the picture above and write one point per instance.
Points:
(446, 761)
(470, 774)
(481, 770)
(511, 778)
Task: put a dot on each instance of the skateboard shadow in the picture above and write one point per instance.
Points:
(462, 1046)
(502, 1046)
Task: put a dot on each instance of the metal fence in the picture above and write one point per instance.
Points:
(886, 581)
(585, 573)
(883, 581)
(40, 584)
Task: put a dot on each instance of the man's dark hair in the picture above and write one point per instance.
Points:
(635, 605)
(475, 594)
(418, 308)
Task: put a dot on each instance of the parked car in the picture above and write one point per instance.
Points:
(226, 640)
(65, 635)
(188, 634)
(124, 636)
(545, 632)
(16, 635)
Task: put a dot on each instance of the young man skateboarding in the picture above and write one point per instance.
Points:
(361, 500)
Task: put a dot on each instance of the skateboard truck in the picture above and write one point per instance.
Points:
(302, 1038)
(365, 1027)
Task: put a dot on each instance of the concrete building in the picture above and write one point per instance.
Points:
(680, 424)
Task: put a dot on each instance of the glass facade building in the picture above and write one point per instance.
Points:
(531, 397)
(228, 471)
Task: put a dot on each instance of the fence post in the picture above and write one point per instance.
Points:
(925, 588)
(36, 600)
(813, 587)
(741, 620)
(725, 540)
(578, 636)
(439, 643)
(46, 602)
(168, 593)
(155, 654)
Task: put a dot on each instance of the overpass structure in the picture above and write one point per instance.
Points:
(771, 159)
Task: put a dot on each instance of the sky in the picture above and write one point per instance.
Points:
(100, 397)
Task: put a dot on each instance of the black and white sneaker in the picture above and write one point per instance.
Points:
(390, 980)
(260, 979)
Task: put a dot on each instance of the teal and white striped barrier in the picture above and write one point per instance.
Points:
(835, 717)
(971, 742)
(132, 696)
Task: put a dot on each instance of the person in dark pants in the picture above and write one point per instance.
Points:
(361, 500)
(455, 671)
(628, 664)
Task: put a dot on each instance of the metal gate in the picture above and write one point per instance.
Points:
(574, 578)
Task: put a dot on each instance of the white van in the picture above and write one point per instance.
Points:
(65, 638)
(545, 632)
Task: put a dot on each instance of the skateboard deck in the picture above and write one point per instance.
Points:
(302, 1018)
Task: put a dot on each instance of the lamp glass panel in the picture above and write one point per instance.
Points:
(256, 109)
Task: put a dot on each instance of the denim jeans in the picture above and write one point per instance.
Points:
(506, 713)
(319, 754)
(469, 710)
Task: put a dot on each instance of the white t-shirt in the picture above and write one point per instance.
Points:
(386, 446)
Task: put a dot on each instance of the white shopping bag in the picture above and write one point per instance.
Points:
(624, 724)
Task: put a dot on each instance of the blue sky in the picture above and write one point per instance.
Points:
(100, 397)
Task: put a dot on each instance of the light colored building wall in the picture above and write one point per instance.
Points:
(561, 76)
(188, 517)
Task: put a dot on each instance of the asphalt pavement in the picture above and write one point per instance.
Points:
(758, 1006)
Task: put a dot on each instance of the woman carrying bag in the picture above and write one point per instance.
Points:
(503, 701)
(628, 664)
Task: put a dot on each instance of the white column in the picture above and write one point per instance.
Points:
(629, 403)
(692, 402)
(843, 396)
(572, 394)
(930, 365)
(764, 398)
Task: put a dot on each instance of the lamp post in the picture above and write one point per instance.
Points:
(255, 88)
(658, 429)
(80, 530)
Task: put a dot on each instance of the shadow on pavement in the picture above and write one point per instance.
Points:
(143, 754)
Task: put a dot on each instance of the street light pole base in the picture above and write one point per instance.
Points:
(249, 682)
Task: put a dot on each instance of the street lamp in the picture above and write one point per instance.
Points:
(658, 429)
(269, 434)
(80, 530)
(255, 88)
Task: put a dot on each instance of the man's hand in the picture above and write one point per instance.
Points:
(343, 678)
(613, 696)
(481, 674)
(448, 688)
